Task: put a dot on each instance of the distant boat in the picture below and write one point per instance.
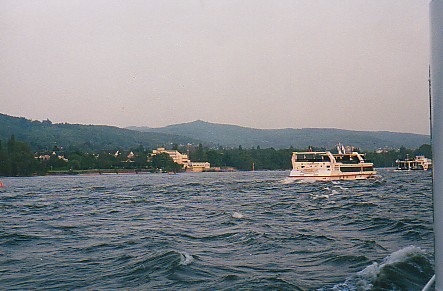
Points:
(1, 184)
(418, 163)
(325, 166)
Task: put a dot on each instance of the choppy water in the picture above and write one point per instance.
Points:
(216, 231)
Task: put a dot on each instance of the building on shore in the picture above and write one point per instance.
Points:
(183, 160)
(176, 156)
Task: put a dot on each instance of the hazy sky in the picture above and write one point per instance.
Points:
(348, 64)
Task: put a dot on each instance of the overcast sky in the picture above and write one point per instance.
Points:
(349, 64)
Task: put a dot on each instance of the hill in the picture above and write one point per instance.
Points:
(45, 135)
(233, 136)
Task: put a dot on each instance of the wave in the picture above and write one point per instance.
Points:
(158, 233)
(9, 239)
(345, 259)
(237, 215)
(144, 271)
(185, 258)
(320, 196)
(287, 180)
(405, 269)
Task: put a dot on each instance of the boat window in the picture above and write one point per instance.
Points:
(347, 159)
(311, 158)
(306, 157)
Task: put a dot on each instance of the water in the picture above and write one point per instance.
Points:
(216, 231)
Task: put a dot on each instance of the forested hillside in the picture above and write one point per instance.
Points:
(42, 135)
(233, 136)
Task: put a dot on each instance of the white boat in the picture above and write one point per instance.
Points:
(326, 166)
(418, 163)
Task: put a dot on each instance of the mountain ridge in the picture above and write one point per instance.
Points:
(234, 135)
(42, 135)
(45, 134)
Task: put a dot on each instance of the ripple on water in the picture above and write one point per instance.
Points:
(215, 231)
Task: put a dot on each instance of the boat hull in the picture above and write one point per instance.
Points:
(332, 177)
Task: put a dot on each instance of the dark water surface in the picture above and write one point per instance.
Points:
(216, 231)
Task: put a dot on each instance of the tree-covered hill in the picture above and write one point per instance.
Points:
(42, 135)
(233, 136)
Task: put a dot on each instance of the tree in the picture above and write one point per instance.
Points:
(140, 149)
(140, 161)
(11, 144)
(200, 155)
(47, 122)
(164, 162)
(17, 160)
(4, 162)
(403, 152)
(56, 163)
(215, 158)
(425, 150)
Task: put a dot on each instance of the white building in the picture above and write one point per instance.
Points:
(176, 156)
(182, 159)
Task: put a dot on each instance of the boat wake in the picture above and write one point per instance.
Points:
(406, 269)
(287, 180)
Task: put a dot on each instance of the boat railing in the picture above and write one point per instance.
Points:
(314, 160)
(428, 285)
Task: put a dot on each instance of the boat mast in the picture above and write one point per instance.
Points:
(436, 30)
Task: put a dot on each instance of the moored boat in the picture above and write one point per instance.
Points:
(418, 163)
(326, 166)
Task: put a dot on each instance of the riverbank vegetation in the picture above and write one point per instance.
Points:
(17, 159)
